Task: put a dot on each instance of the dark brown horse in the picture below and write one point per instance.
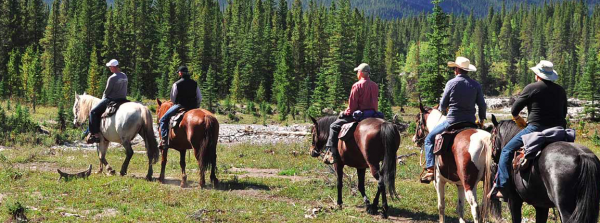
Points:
(375, 140)
(199, 130)
(464, 166)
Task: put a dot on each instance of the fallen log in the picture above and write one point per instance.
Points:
(69, 176)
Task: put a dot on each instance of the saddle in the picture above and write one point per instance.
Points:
(113, 107)
(346, 133)
(444, 141)
(520, 162)
(176, 119)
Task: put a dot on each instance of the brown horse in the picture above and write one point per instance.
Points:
(464, 166)
(199, 130)
(375, 140)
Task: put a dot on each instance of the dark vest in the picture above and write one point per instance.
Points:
(186, 92)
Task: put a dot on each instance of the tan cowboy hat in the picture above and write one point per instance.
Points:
(545, 70)
(462, 63)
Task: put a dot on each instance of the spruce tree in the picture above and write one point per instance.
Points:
(435, 72)
(31, 70)
(282, 81)
(95, 87)
(589, 84)
(209, 90)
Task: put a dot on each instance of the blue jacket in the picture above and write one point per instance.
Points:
(460, 95)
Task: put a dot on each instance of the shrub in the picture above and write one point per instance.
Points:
(412, 127)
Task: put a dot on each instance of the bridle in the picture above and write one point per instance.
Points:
(420, 131)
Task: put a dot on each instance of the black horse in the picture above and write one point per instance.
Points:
(565, 175)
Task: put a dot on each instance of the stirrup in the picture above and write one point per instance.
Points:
(92, 138)
(424, 176)
(328, 157)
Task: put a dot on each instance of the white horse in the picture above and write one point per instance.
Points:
(463, 166)
(131, 119)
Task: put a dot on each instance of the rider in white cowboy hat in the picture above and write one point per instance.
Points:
(546, 104)
(460, 97)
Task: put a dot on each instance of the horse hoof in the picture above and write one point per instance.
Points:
(183, 185)
(111, 172)
(161, 180)
(149, 178)
(372, 210)
(123, 173)
(384, 215)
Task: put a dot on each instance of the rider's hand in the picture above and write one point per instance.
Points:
(480, 123)
(520, 122)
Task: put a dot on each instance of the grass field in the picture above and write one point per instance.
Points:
(259, 183)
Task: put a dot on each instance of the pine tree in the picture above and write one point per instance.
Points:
(76, 64)
(431, 83)
(236, 90)
(95, 88)
(589, 84)
(52, 58)
(282, 81)
(384, 104)
(31, 70)
(14, 78)
(210, 91)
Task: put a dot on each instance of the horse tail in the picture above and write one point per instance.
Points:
(209, 145)
(391, 141)
(147, 133)
(586, 209)
(490, 208)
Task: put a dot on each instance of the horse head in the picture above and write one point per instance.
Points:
(421, 121)
(315, 150)
(502, 132)
(162, 108)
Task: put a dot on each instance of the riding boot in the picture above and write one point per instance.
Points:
(331, 155)
(92, 138)
(497, 193)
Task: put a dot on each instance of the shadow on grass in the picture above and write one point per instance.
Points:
(417, 216)
(241, 185)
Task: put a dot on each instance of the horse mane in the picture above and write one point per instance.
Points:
(507, 129)
(86, 103)
(323, 126)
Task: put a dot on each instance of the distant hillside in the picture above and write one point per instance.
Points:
(399, 8)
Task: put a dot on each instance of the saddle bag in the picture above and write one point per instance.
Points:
(444, 141)
(176, 119)
(347, 131)
(112, 107)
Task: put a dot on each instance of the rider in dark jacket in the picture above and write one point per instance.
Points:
(546, 104)
(186, 94)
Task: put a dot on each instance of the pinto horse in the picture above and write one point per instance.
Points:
(464, 166)
(130, 120)
(375, 140)
(199, 130)
(565, 175)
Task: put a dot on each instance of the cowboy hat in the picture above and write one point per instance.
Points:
(545, 70)
(462, 63)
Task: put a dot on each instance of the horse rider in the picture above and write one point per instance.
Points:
(461, 94)
(185, 94)
(116, 90)
(364, 97)
(546, 104)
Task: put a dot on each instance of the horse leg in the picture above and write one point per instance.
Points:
(440, 187)
(339, 169)
(128, 155)
(460, 207)
(472, 199)
(213, 175)
(375, 172)
(163, 164)
(361, 186)
(515, 204)
(101, 149)
(541, 214)
(182, 164)
(384, 204)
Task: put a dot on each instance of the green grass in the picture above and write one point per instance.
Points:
(28, 176)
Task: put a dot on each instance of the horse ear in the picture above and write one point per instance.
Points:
(158, 102)
(421, 105)
(494, 120)
(76, 96)
(313, 120)
(395, 119)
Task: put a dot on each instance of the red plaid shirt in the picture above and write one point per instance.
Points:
(364, 96)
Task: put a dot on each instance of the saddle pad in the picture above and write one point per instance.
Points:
(113, 107)
(347, 131)
(176, 119)
(444, 141)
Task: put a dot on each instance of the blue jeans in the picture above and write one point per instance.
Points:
(508, 152)
(429, 142)
(164, 121)
(96, 115)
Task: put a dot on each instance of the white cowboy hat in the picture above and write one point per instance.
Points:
(545, 70)
(462, 63)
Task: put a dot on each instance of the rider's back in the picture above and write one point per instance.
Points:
(546, 104)
(464, 95)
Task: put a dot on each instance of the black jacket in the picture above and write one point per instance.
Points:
(184, 92)
(546, 104)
